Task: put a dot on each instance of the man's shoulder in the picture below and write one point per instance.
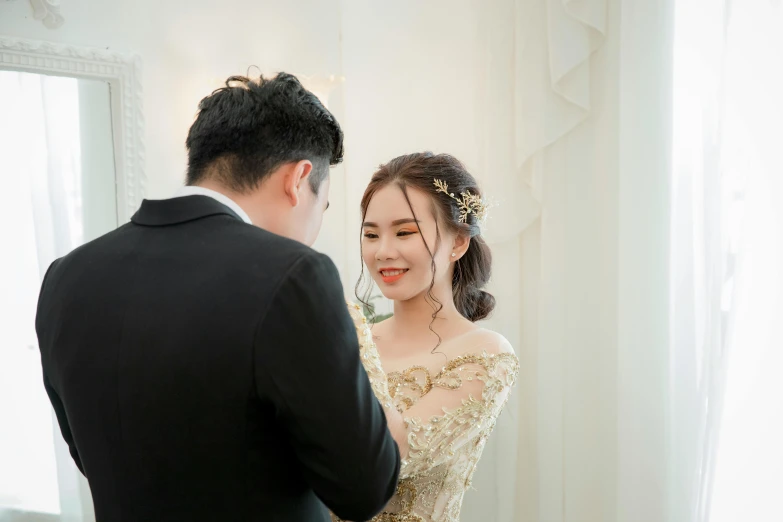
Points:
(259, 245)
(232, 244)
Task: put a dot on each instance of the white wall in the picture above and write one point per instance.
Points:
(185, 46)
(438, 76)
(409, 88)
(187, 49)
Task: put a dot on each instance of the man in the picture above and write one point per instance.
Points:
(205, 369)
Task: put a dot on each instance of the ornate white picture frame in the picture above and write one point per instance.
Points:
(123, 74)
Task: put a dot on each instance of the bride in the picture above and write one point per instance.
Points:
(442, 379)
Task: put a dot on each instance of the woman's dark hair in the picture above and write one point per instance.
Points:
(472, 270)
(249, 128)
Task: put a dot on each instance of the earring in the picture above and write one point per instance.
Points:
(453, 254)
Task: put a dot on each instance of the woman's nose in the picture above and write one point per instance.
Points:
(385, 251)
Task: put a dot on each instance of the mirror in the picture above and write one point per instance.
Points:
(57, 154)
(70, 155)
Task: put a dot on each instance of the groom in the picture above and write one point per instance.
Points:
(200, 359)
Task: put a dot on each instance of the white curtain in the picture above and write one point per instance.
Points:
(727, 261)
(40, 219)
(563, 111)
(581, 242)
(704, 205)
(534, 85)
(747, 480)
(649, 287)
(582, 233)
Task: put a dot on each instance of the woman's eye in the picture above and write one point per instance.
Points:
(370, 235)
(402, 233)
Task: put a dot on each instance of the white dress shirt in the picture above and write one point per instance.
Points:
(221, 198)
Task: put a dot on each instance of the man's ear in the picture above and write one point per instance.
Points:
(295, 178)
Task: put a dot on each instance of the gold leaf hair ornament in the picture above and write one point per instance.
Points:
(468, 203)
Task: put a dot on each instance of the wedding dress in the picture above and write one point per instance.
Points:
(448, 417)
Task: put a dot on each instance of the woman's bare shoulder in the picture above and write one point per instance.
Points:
(482, 340)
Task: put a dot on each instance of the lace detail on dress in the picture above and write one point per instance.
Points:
(369, 356)
(449, 417)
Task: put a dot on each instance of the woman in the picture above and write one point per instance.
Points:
(442, 379)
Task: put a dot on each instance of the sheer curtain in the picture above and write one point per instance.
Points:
(727, 261)
(700, 255)
(592, 127)
(580, 243)
(40, 219)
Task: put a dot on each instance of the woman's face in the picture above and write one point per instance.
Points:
(393, 246)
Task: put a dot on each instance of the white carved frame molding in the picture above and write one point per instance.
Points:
(123, 74)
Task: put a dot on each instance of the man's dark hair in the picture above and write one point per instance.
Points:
(249, 128)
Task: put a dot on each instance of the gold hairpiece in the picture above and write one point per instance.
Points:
(469, 204)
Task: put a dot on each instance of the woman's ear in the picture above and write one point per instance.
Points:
(461, 245)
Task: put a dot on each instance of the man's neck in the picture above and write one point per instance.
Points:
(223, 196)
(262, 209)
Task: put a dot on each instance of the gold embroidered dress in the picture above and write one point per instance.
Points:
(448, 417)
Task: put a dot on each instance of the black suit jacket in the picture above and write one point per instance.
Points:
(203, 369)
